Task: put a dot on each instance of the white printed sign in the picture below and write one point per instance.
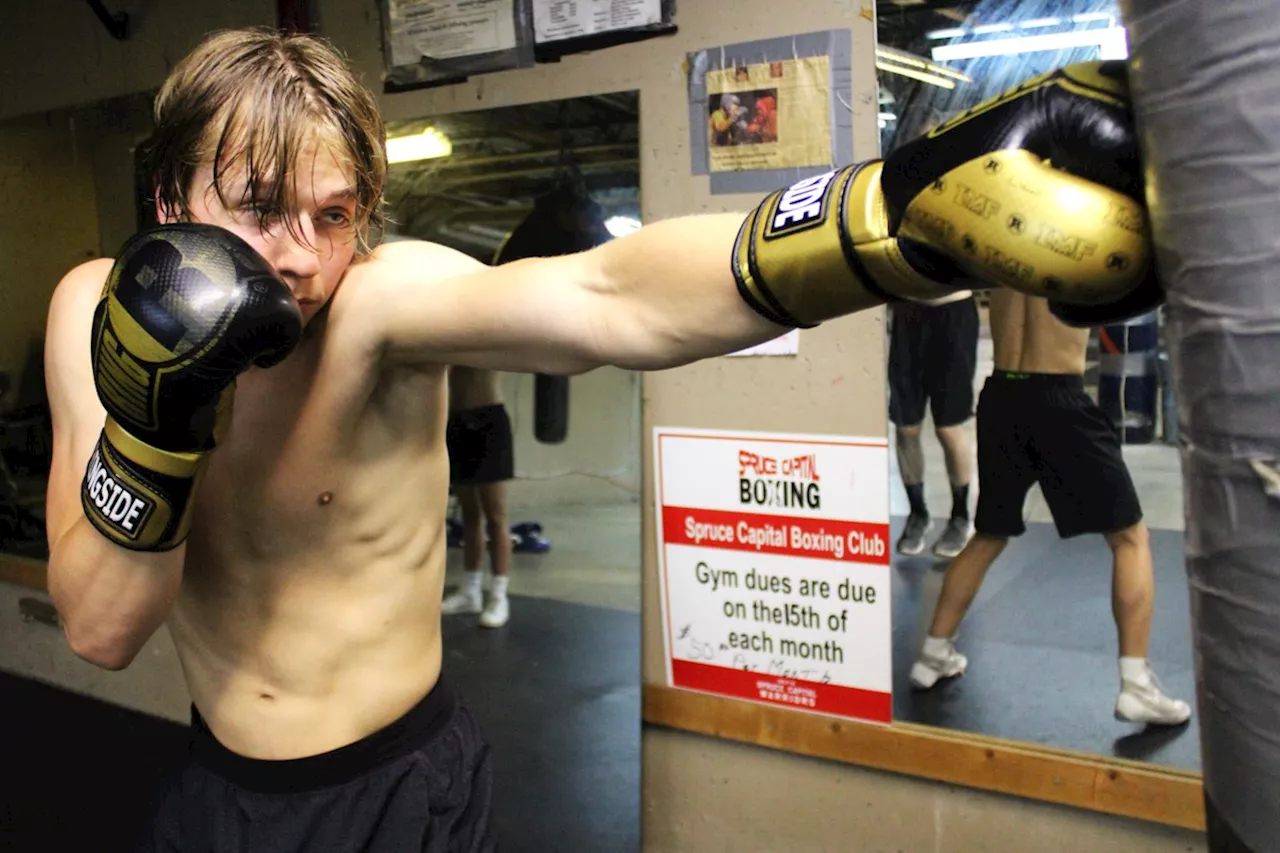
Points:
(774, 568)
(554, 20)
(444, 29)
(787, 344)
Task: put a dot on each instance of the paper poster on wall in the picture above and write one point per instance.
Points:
(443, 29)
(788, 344)
(434, 41)
(774, 568)
(766, 114)
(770, 115)
(554, 20)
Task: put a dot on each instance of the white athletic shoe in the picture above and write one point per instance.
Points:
(496, 612)
(463, 601)
(929, 669)
(1147, 703)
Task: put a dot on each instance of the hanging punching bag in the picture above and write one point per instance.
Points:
(562, 222)
(1202, 75)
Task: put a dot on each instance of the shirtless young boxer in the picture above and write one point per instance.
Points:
(1036, 423)
(249, 419)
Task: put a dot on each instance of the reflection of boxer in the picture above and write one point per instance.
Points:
(480, 464)
(1036, 424)
(933, 354)
(764, 123)
(727, 120)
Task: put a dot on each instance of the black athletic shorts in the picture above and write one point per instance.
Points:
(480, 446)
(933, 354)
(1043, 428)
(422, 783)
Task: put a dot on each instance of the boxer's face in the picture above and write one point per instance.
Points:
(311, 241)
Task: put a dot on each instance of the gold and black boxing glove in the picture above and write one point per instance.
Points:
(186, 309)
(1039, 189)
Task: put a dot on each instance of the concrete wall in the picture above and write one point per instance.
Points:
(701, 794)
(48, 224)
(599, 461)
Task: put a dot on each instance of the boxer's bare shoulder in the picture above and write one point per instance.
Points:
(1027, 338)
(423, 303)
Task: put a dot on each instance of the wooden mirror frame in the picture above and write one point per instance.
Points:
(1115, 786)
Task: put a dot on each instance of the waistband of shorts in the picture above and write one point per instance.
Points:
(486, 409)
(417, 727)
(1071, 381)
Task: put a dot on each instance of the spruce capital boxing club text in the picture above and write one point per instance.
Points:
(787, 490)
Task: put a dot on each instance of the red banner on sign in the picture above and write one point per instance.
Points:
(869, 705)
(821, 538)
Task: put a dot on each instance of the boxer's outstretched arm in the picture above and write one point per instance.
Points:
(975, 200)
(660, 297)
(110, 600)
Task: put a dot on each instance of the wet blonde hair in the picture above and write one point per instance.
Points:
(253, 100)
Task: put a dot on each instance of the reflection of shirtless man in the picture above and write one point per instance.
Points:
(1037, 424)
(480, 464)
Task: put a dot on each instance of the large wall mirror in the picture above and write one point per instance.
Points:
(1040, 638)
(499, 184)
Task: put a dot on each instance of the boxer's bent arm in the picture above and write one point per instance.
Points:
(658, 298)
(110, 599)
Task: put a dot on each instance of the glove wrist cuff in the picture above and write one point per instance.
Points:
(821, 248)
(137, 495)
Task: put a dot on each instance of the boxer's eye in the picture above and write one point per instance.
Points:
(336, 217)
(264, 212)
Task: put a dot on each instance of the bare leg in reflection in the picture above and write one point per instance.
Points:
(964, 578)
(1133, 588)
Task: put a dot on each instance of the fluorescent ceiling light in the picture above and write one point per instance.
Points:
(916, 75)
(1110, 40)
(1032, 24)
(420, 146)
(621, 226)
(1116, 46)
(902, 57)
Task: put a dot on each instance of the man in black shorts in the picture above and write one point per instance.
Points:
(480, 464)
(933, 353)
(1036, 424)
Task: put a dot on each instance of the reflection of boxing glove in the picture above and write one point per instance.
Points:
(1038, 189)
(186, 309)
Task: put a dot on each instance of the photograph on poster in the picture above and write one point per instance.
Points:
(769, 115)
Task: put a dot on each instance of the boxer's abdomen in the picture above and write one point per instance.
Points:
(309, 614)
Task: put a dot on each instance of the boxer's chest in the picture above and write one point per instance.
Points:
(305, 458)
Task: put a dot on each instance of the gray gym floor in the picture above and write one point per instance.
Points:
(1041, 645)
